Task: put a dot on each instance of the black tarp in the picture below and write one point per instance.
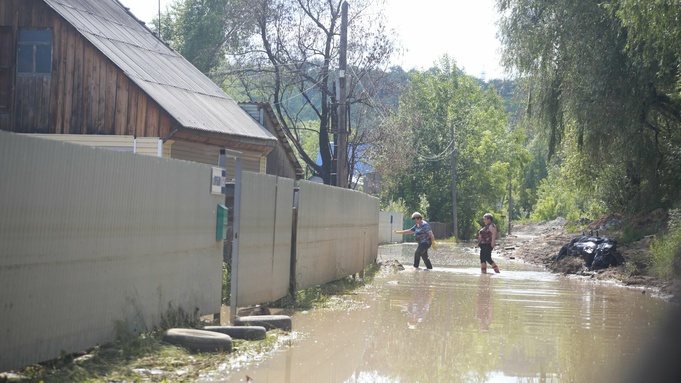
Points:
(597, 252)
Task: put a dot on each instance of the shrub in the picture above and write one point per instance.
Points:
(666, 250)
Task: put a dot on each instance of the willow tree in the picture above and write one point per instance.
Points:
(592, 84)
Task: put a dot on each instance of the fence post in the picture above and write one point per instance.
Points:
(234, 280)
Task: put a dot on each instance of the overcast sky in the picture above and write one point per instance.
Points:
(428, 29)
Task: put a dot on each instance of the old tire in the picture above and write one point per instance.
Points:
(241, 332)
(198, 340)
(270, 322)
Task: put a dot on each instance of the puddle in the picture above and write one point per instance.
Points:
(451, 324)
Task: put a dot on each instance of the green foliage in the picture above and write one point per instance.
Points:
(573, 227)
(285, 53)
(226, 283)
(204, 30)
(291, 66)
(532, 175)
(637, 264)
(631, 234)
(438, 101)
(558, 196)
(666, 249)
(653, 34)
(604, 76)
(177, 317)
(321, 296)
(397, 206)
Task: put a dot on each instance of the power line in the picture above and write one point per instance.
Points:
(444, 155)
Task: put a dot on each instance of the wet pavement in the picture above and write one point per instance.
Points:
(452, 324)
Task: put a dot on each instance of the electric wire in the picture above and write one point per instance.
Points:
(444, 155)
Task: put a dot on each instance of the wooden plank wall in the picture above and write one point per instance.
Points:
(86, 93)
(5, 70)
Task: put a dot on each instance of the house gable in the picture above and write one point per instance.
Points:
(282, 161)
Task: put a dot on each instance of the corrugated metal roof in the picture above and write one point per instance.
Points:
(168, 78)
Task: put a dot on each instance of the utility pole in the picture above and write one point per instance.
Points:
(453, 163)
(342, 155)
(159, 20)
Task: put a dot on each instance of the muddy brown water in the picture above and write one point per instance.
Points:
(452, 324)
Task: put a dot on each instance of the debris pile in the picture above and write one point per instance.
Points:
(597, 252)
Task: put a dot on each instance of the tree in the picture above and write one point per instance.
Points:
(589, 83)
(435, 99)
(292, 66)
(653, 36)
(203, 31)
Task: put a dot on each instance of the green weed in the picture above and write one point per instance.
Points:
(574, 228)
(665, 250)
(319, 296)
(637, 264)
(666, 254)
(630, 234)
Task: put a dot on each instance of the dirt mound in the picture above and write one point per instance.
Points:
(644, 222)
(538, 245)
(568, 265)
(541, 228)
(606, 222)
(655, 221)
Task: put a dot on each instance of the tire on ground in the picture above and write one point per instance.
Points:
(241, 332)
(198, 340)
(269, 322)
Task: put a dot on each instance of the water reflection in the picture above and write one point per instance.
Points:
(484, 310)
(452, 324)
(416, 309)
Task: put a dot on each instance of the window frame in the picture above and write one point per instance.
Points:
(31, 39)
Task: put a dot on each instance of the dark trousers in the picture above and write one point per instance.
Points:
(486, 253)
(422, 252)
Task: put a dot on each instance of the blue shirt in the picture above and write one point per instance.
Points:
(422, 232)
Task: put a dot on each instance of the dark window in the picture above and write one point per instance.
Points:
(34, 51)
(6, 60)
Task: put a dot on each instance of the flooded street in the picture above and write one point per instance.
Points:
(452, 324)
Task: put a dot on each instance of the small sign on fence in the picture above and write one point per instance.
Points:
(218, 181)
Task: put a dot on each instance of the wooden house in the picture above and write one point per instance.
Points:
(90, 68)
(282, 161)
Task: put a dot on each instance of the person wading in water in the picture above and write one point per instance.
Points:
(486, 242)
(424, 237)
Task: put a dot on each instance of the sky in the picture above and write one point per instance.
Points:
(427, 29)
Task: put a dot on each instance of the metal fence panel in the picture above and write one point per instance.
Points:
(90, 237)
(337, 233)
(264, 238)
(389, 221)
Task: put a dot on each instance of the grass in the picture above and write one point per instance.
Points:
(324, 296)
(131, 358)
(146, 358)
(665, 254)
(573, 227)
(637, 264)
(630, 234)
(663, 260)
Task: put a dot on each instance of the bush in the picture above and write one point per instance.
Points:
(666, 250)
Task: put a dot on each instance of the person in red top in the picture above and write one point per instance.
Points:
(486, 242)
